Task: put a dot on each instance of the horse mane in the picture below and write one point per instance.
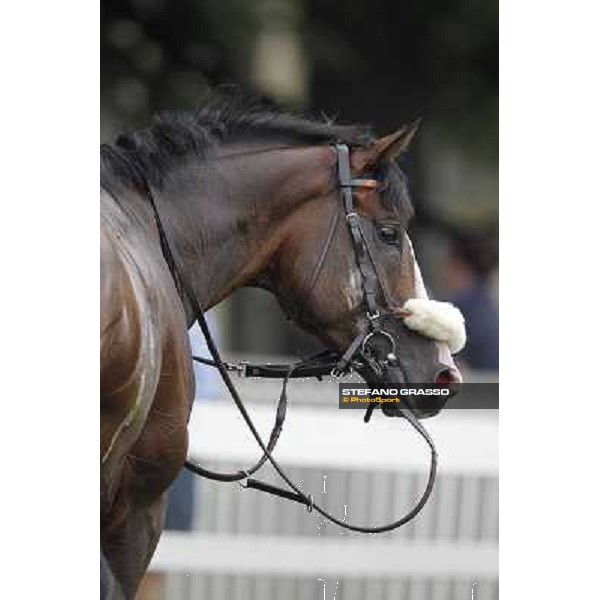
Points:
(147, 155)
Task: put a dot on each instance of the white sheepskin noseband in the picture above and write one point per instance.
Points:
(440, 321)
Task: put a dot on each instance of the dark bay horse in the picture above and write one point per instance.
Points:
(251, 198)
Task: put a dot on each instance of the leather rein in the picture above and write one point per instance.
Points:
(359, 353)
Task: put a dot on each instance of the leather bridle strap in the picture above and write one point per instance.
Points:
(370, 277)
(308, 501)
(318, 365)
(347, 184)
(335, 219)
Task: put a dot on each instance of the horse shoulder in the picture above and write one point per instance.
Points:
(143, 340)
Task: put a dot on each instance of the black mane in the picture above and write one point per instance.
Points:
(147, 155)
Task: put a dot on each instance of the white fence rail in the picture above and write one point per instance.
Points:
(375, 472)
(269, 555)
(466, 441)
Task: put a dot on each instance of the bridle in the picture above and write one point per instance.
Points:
(372, 280)
(360, 353)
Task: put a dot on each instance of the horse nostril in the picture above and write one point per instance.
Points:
(448, 376)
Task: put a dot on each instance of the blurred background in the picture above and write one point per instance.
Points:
(384, 63)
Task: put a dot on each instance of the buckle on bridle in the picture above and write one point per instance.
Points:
(336, 373)
(240, 367)
(310, 504)
(245, 479)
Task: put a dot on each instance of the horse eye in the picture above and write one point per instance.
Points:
(389, 235)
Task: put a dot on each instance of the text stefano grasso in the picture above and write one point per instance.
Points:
(425, 391)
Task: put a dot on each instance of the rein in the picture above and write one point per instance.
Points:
(327, 363)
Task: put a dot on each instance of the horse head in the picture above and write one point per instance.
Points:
(347, 272)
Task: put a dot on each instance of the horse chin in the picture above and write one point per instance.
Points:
(377, 374)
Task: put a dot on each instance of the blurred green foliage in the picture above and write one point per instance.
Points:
(371, 60)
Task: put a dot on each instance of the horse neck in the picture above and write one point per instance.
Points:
(228, 216)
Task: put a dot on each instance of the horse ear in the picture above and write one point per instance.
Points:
(385, 149)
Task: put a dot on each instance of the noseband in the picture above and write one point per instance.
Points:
(360, 350)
